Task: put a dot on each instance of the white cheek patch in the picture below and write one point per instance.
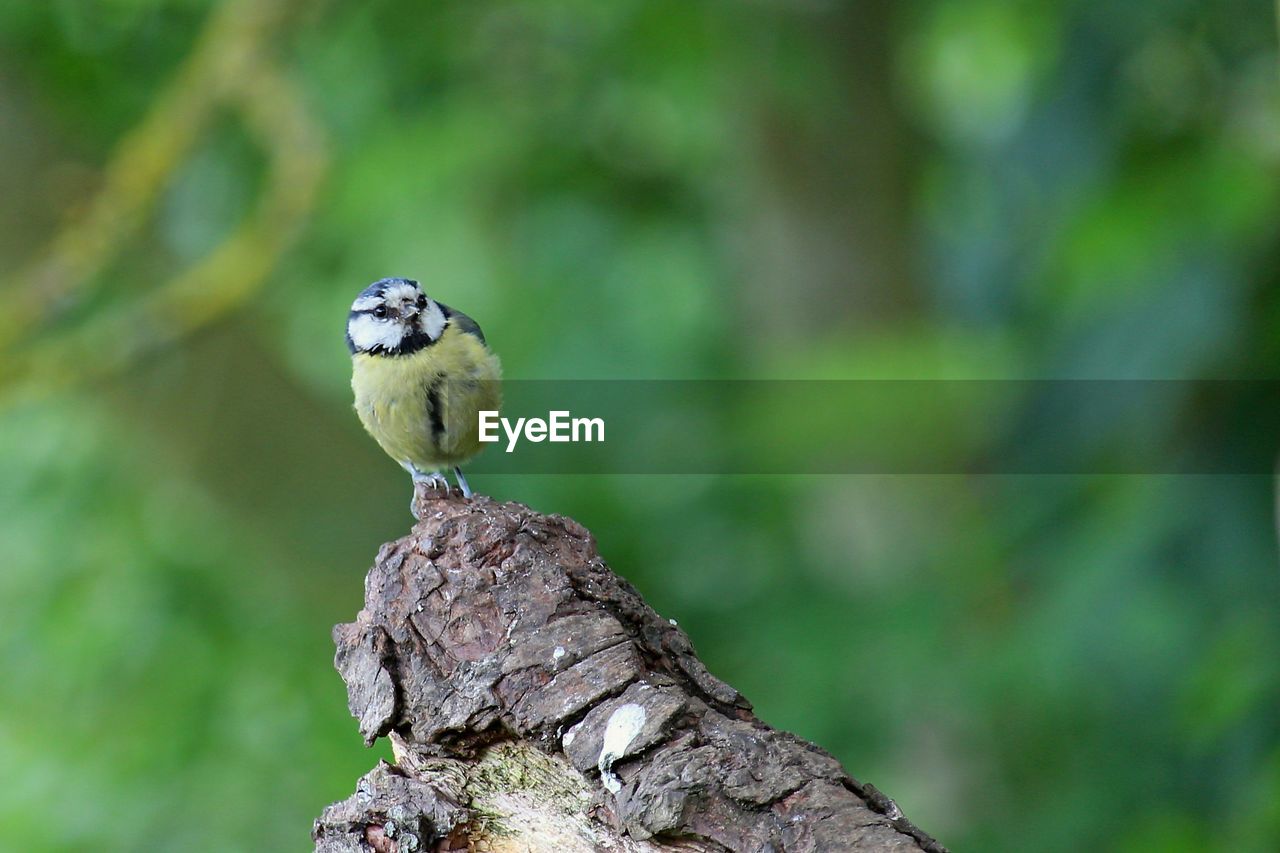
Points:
(432, 320)
(368, 332)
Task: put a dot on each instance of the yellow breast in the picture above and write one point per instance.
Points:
(423, 408)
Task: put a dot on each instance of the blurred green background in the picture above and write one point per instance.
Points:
(192, 193)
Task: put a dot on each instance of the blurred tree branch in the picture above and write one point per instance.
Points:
(229, 65)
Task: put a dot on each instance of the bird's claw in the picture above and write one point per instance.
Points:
(428, 487)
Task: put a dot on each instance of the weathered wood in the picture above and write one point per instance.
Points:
(535, 702)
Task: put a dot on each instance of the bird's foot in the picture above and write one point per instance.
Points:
(430, 486)
(462, 482)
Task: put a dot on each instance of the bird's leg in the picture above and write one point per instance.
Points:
(462, 482)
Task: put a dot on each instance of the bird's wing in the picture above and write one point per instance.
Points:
(462, 321)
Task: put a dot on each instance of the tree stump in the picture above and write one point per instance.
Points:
(535, 702)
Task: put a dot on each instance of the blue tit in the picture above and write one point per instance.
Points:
(421, 373)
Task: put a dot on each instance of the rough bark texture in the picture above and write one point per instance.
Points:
(536, 703)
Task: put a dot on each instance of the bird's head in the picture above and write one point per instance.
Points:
(393, 317)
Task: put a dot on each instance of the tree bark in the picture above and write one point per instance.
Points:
(535, 702)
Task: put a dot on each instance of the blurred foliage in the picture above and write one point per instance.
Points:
(932, 188)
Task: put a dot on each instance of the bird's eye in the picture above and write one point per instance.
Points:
(422, 301)
(380, 311)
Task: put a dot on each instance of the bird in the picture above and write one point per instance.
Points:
(421, 374)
